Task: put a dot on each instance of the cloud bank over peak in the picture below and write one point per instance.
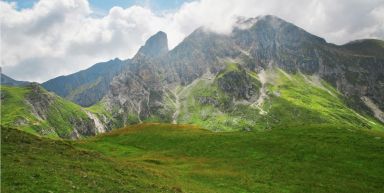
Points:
(57, 37)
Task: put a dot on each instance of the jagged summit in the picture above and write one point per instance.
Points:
(155, 46)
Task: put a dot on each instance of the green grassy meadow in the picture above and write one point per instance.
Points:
(185, 158)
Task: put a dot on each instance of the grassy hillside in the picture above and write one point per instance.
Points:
(289, 100)
(34, 164)
(183, 158)
(34, 110)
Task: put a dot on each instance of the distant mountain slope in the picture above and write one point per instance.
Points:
(6, 80)
(33, 109)
(367, 47)
(88, 86)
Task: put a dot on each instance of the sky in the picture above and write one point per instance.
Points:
(43, 39)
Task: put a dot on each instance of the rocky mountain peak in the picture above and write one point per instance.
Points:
(269, 30)
(155, 46)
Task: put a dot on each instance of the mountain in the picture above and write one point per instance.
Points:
(31, 108)
(267, 72)
(88, 86)
(6, 80)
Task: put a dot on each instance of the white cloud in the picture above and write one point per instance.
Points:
(57, 37)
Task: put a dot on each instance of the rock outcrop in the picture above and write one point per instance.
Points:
(155, 46)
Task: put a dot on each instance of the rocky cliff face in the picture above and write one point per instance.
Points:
(137, 92)
(155, 46)
(200, 52)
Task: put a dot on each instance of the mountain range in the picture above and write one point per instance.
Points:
(266, 73)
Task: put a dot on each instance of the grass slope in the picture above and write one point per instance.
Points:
(298, 99)
(292, 100)
(34, 164)
(184, 158)
(60, 115)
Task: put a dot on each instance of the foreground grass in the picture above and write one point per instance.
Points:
(33, 164)
(184, 158)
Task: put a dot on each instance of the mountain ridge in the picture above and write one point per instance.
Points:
(6, 80)
(253, 79)
(88, 86)
(199, 52)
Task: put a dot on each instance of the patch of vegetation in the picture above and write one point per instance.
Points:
(14, 110)
(99, 109)
(230, 67)
(303, 102)
(63, 115)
